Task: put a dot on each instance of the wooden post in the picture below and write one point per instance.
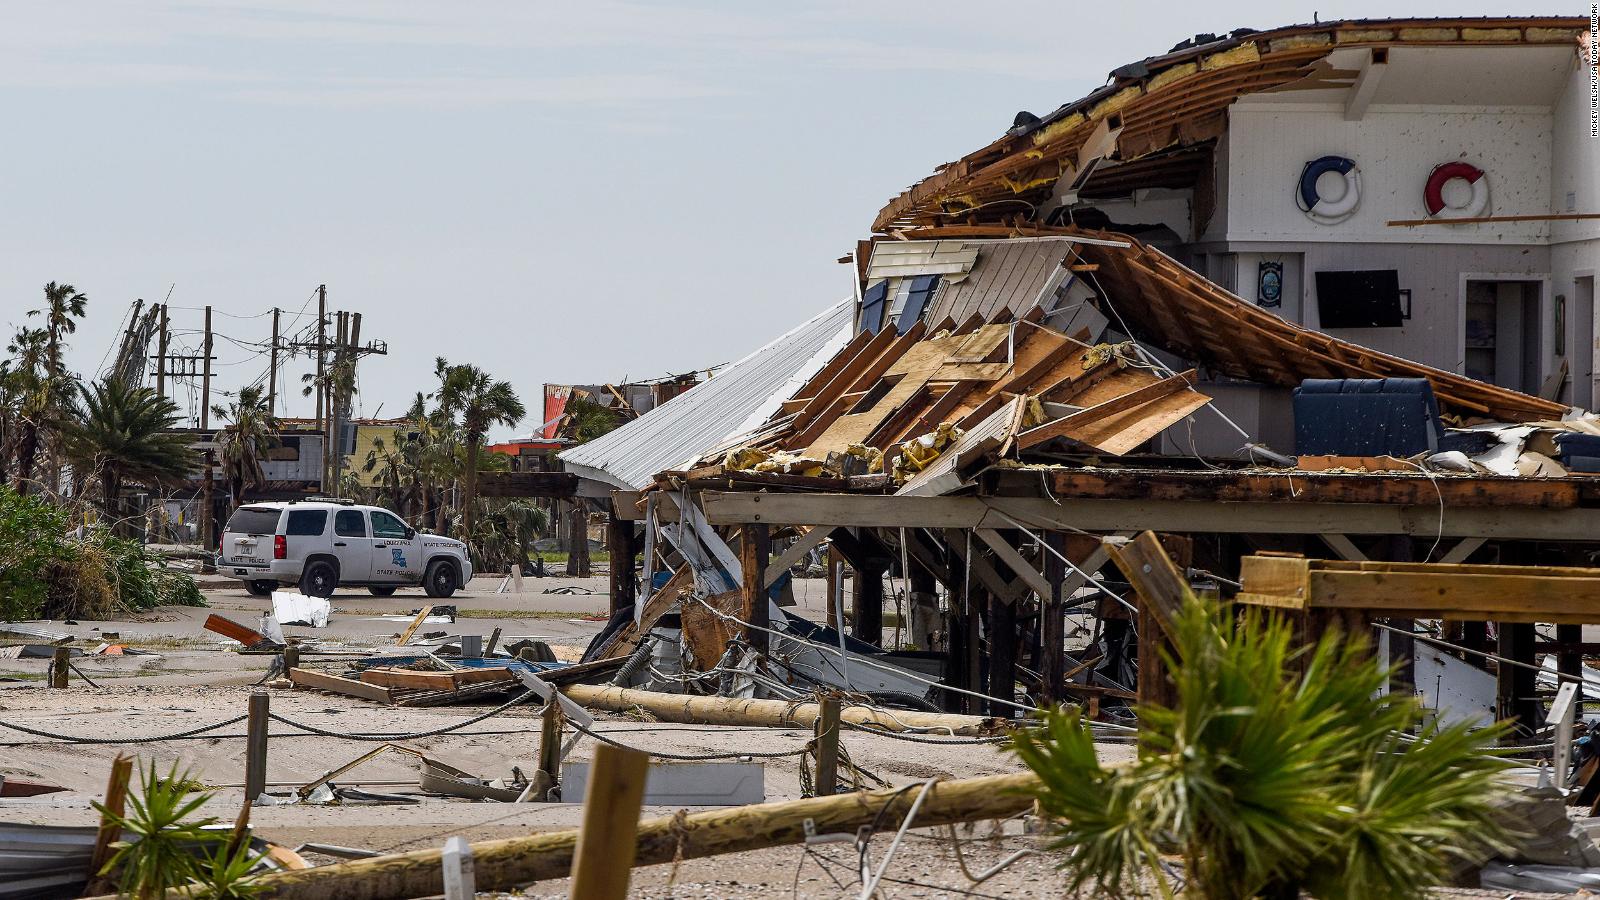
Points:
(1569, 660)
(621, 544)
(550, 744)
(58, 667)
(977, 603)
(955, 632)
(109, 832)
(866, 606)
(291, 658)
(602, 862)
(1002, 656)
(828, 747)
(255, 760)
(1052, 622)
(1517, 684)
(754, 551)
(922, 607)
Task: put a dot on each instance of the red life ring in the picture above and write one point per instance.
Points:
(1433, 193)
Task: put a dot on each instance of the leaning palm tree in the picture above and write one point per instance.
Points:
(1275, 770)
(121, 434)
(480, 403)
(252, 430)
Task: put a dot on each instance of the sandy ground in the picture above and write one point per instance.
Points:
(194, 679)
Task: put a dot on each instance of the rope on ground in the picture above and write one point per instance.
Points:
(401, 736)
(151, 739)
(922, 740)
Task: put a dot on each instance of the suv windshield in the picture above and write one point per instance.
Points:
(253, 520)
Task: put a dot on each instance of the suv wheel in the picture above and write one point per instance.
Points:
(440, 580)
(381, 591)
(319, 579)
(260, 588)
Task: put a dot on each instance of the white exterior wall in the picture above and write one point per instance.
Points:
(1395, 148)
(1575, 246)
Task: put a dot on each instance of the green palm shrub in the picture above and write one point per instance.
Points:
(163, 835)
(1276, 769)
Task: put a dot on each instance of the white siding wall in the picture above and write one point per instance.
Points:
(1395, 148)
(1575, 246)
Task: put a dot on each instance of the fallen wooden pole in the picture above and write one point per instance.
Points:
(773, 713)
(511, 862)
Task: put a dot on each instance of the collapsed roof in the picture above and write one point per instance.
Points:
(1156, 118)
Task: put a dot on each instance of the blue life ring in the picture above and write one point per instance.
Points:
(1329, 212)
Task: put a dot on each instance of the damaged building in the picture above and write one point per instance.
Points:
(1324, 291)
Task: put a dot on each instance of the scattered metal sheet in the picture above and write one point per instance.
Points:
(686, 783)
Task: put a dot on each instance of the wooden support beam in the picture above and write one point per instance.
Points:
(1366, 86)
(1052, 622)
(1278, 516)
(623, 547)
(796, 551)
(1015, 561)
(754, 549)
(1344, 547)
(866, 606)
(1463, 549)
(986, 577)
(510, 863)
(1002, 656)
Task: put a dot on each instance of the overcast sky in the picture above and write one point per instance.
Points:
(562, 192)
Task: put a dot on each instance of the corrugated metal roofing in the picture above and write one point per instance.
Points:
(738, 399)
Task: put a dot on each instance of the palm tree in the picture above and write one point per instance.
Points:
(36, 399)
(62, 305)
(1276, 769)
(121, 434)
(251, 431)
(480, 402)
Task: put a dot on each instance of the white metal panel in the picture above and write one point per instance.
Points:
(744, 394)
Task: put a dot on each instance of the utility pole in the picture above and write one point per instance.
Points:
(334, 373)
(161, 355)
(349, 344)
(322, 342)
(272, 369)
(207, 565)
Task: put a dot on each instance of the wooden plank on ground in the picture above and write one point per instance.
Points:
(405, 636)
(333, 684)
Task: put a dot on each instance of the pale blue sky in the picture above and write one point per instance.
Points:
(572, 192)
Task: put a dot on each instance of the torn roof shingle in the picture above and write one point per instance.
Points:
(739, 398)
